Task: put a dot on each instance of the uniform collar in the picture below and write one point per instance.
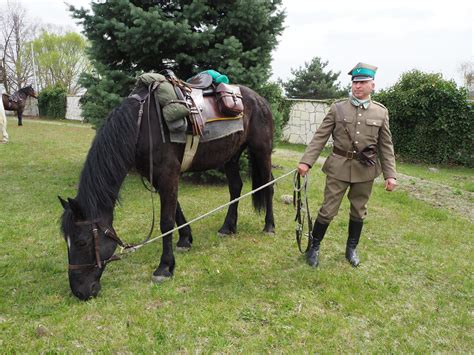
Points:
(356, 102)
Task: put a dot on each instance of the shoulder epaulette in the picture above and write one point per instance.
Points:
(379, 104)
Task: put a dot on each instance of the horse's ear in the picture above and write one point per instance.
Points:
(75, 208)
(64, 203)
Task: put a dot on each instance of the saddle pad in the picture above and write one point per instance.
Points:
(214, 129)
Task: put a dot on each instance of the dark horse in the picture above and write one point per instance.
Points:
(17, 101)
(121, 145)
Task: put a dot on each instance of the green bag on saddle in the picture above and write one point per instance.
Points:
(174, 113)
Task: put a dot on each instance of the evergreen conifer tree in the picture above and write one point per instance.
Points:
(129, 37)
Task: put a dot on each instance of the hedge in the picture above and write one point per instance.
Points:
(430, 118)
(52, 102)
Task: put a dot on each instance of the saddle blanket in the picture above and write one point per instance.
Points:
(214, 129)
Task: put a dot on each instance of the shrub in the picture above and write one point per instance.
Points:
(52, 102)
(279, 105)
(430, 119)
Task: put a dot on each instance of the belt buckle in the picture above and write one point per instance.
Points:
(350, 155)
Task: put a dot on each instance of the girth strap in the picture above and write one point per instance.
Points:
(192, 143)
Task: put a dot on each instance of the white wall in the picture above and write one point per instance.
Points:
(73, 108)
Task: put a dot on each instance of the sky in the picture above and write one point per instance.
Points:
(396, 36)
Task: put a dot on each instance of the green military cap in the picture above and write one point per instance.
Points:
(362, 72)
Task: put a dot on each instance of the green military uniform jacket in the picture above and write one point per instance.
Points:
(366, 126)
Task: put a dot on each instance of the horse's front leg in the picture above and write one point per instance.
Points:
(185, 235)
(20, 117)
(169, 200)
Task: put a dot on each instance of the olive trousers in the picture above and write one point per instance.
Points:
(334, 191)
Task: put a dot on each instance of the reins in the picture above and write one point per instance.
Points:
(129, 248)
(301, 204)
(132, 248)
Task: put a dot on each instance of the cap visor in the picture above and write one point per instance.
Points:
(362, 78)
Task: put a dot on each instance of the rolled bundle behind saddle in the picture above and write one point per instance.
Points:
(174, 110)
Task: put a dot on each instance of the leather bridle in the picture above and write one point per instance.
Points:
(95, 227)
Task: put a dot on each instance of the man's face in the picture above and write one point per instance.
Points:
(362, 89)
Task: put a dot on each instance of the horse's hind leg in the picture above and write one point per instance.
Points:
(232, 172)
(260, 158)
(20, 117)
(185, 235)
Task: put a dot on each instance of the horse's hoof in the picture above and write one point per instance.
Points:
(270, 234)
(183, 249)
(224, 234)
(161, 274)
(158, 279)
(270, 230)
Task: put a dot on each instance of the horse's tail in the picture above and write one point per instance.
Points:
(261, 175)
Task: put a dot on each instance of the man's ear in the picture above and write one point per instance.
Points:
(64, 203)
(76, 209)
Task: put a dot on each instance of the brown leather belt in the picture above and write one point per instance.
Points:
(343, 153)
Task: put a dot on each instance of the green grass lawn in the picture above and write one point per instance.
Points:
(251, 293)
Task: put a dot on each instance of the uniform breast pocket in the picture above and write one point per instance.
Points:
(373, 126)
(348, 119)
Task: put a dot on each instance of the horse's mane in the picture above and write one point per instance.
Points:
(110, 157)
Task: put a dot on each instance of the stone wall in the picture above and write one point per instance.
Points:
(305, 118)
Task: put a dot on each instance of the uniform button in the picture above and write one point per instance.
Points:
(360, 114)
(357, 132)
(356, 142)
(358, 122)
(361, 106)
(344, 119)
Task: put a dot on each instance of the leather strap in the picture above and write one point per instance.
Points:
(344, 153)
(301, 205)
(341, 118)
(192, 143)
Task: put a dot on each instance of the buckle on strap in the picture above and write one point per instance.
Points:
(344, 153)
(350, 155)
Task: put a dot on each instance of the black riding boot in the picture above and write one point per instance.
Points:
(355, 228)
(312, 255)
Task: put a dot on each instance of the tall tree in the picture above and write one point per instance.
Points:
(60, 60)
(313, 82)
(127, 37)
(467, 71)
(15, 56)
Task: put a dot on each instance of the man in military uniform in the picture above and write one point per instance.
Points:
(362, 149)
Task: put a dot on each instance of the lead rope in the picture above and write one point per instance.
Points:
(131, 248)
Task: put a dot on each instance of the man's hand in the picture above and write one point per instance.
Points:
(390, 184)
(303, 169)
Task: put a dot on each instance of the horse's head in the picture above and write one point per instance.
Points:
(29, 91)
(91, 245)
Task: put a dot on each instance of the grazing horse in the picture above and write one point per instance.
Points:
(122, 144)
(17, 101)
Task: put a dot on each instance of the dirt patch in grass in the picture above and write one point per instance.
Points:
(439, 195)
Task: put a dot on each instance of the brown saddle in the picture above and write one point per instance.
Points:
(200, 81)
(205, 102)
(222, 103)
